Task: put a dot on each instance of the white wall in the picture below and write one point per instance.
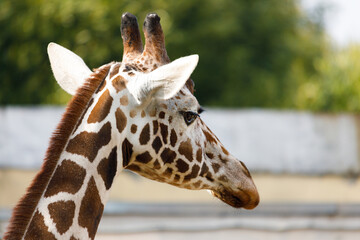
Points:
(25, 134)
(289, 142)
(267, 141)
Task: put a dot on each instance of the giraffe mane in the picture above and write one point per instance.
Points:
(24, 210)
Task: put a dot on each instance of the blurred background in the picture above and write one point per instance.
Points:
(280, 81)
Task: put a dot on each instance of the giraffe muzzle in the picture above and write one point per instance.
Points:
(238, 188)
(240, 198)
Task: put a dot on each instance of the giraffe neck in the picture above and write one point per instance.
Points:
(66, 182)
(74, 200)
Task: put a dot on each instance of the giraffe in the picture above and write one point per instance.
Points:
(139, 114)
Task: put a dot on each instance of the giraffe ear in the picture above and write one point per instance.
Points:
(165, 81)
(69, 69)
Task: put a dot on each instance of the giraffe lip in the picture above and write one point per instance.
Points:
(238, 200)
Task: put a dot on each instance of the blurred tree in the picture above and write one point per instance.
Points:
(336, 84)
(249, 50)
(252, 53)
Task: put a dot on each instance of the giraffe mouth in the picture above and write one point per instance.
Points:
(241, 199)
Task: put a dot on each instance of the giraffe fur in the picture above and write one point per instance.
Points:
(139, 114)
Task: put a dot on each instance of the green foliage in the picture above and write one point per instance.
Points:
(336, 86)
(28, 26)
(258, 53)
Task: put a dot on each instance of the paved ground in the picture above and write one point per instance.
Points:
(318, 208)
(215, 228)
(272, 188)
(237, 234)
(227, 227)
(208, 221)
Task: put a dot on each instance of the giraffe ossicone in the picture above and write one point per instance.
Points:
(139, 114)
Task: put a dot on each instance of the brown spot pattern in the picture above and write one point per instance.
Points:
(155, 127)
(91, 209)
(216, 167)
(120, 120)
(209, 155)
(199, 155)
(68, 177)
(205, 186)
(144, 157)
(119, 83)
(157, 164)
(197, 184)
(194, 173)
(173, 138)
(134, 168)
(62, 213)
(124, 100)
(38, 230)
(223, 160)
(107, 168)
(223, 178)
(204, 170)
(186, 149)
(157, 144)
(133, 128)
(114, 70)
(164, 132)
(24, 211)
(127, 151)
(182, 166)
(145, 135)
(88, 144)
(162, 115)
(167, 155)
(168, 172)
(133, 113)
(176, 178)
(152, 112)
(209, 177)
(101, 109)
(209, 137)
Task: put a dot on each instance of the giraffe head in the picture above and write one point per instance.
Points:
(156, 120)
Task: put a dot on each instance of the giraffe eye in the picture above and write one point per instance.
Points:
(189, 117)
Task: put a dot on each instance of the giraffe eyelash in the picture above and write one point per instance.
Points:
(201, 110)
(189, 116)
